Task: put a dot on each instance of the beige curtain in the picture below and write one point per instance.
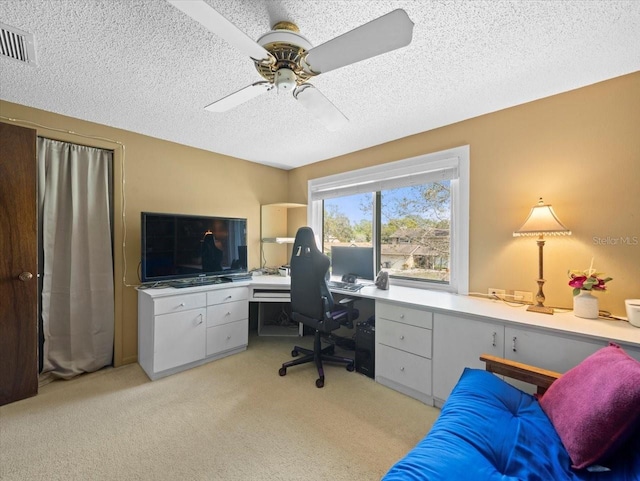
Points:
(75, 198)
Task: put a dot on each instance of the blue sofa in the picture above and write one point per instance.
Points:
(489, 430)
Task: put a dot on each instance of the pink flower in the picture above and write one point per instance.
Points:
(588, 280)
(600, 285)
(577, 281)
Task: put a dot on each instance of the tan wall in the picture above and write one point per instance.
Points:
(163, 177)
(579, 150)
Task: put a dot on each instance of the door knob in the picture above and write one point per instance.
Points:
(25, 276)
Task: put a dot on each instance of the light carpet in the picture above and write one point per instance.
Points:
(231, 419)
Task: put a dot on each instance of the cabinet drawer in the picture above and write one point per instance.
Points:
(415, 340)
(166, 305)
(226, 337)
(403, 368)
(232, 294)
(227, 312)
(407, 315)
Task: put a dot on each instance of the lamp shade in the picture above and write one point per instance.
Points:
(542, 220)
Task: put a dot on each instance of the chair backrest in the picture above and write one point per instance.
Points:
(308, 284)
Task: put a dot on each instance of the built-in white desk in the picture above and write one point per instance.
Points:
(473, 307)
(424, 338)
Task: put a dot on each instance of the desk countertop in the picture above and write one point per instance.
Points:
(447, 303)
(452, 304)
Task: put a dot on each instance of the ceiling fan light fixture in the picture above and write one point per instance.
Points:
(287, 60)
(285, 80)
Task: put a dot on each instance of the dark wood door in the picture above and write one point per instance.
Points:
(18, 264)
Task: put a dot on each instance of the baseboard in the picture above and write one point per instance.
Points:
(129, 360)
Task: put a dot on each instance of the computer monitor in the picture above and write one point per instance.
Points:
(357, 261)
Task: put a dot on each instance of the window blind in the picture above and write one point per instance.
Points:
(404, 173)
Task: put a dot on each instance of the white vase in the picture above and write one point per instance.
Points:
(585, 305)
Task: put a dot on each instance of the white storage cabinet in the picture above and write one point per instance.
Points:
(227, 320)
(179, 328)
(459, 341)
(403, 349)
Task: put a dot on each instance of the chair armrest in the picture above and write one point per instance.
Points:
(541, 378)
(347, 303)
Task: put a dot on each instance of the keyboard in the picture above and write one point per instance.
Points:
(344, 286)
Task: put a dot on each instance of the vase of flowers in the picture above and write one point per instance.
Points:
(585, 304)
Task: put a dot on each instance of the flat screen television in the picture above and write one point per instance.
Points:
(190, 246)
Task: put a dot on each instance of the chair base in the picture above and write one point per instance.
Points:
(317, 355)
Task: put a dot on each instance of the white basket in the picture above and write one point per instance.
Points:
(633, 311)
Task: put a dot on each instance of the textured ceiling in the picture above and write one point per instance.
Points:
(144, 66)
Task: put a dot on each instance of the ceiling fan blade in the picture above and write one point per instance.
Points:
(239, 97)
(203, 13)
(320, 106)
(384, 34)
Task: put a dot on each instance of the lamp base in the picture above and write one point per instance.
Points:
(541, 309)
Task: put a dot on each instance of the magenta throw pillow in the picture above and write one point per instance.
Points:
(595, 406)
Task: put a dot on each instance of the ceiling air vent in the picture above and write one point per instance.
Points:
(17, 44)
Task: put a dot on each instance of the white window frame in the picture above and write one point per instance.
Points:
(451, 163)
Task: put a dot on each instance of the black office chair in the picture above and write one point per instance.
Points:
(313, 305)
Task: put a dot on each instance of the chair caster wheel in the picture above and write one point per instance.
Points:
(282, 371)
(319, 383)
(350, 367)
(294, 353)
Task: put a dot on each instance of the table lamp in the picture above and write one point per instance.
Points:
(542, 221)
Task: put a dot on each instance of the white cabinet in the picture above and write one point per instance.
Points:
(554, 352)
(179, 339)
(458, 343)
(183, 328)
(548, 351)
(227, 320)
(403, 349)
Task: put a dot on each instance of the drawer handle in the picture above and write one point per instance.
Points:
(402, 338)
(228, 313)
(513, 345)
(200, 321)
(494, 339)
(228, 297)
(401, 316)
(402, 368)
(182, 304)
(228, 338)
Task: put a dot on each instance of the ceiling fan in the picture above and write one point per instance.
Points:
(286, 60)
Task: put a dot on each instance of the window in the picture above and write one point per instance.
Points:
(415, 239)
(348, 221)
(413, 212)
